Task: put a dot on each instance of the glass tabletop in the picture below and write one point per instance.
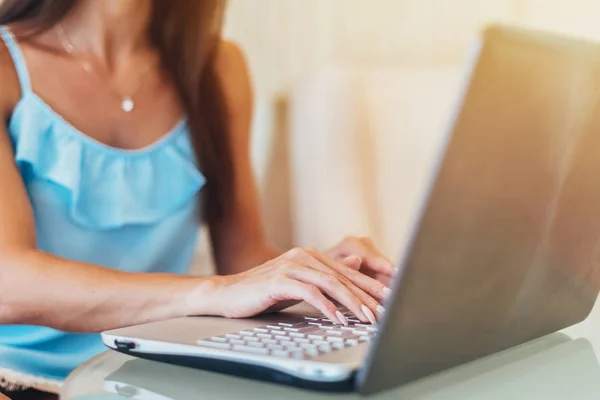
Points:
(558, 366)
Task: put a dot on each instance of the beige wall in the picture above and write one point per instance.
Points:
(285, 39)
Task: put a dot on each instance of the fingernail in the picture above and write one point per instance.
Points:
(369, 314)
(341, 317)
(387, 291)
(380, 310)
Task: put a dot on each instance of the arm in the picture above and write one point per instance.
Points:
(239, 241)
(39, 289)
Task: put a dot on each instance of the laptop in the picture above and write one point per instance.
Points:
(552, 367)
(504, 247)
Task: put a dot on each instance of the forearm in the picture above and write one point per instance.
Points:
(234, 262)
(39, 289)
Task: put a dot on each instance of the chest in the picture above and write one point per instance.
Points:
(92, 103)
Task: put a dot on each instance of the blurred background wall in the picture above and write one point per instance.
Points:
(286, 39)
(353, 95)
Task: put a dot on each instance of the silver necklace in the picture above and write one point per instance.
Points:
(127, 103)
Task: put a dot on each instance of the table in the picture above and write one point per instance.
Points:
(561, 365)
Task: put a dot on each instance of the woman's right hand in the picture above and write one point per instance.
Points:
(298, 275)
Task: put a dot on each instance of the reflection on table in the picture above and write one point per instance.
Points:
(553, 367)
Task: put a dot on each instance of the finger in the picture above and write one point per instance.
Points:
(353, 262)
(385, 279)
(370, 286)
(330, 285)
(304, 258)
(365, 248)
(381, 263)
(289, 289)
(328, 265)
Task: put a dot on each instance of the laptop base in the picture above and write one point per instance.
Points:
(247, 371)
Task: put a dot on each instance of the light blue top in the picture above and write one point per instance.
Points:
(130, 210)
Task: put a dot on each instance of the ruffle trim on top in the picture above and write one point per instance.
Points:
(109, 187)
(16, 381)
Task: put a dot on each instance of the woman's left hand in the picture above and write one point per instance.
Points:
(361, 253)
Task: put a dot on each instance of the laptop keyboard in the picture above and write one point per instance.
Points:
(300, 338)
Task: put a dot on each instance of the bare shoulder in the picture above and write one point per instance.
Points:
(232, 70)
(230, 58)
(9, 81)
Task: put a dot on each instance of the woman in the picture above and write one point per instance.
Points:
(100, 207)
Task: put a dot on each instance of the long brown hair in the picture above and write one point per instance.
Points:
(186, 34)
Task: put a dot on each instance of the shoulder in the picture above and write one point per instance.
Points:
(9, 81)
(232, 71)
(233, 77)
(229, 58)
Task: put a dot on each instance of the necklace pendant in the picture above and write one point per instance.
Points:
(127, 105)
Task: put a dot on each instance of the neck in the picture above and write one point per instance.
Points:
(110, 29)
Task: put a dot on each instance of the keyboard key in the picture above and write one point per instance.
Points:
(268, 341)
(297, 335)
(312, 352)
(291, 323)
(276, 327)
(335, 339)
(264, 336)
(301, 340)
(311, 318)
(364, 339)
(348, 328)
(276, 332)
(261, 330)
(232, 336)
(214, 345)
(337, 333)
(351, 342)
(219, 339)
(308, 346)
(251, 339)
(280, 353)
(316, 337)
(278, 337)
(371, 329)
(236, 341)
(255, 344)
(248, 349)
(316, 323)
(329, 324)
(286, 343)
(360, 333)
(246, 333)
(275, 346)
(325, 349)
(338, 345)
(321, 342)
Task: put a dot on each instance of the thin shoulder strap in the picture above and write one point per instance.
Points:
(17, 57)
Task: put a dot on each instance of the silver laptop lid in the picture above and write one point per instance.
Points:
(508, 241)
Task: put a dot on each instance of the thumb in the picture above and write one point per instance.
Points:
(353, 262)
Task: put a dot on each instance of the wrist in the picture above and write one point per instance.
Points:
(201, 297)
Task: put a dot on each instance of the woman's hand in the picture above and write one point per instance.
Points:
(298, 275)
(362, 254)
